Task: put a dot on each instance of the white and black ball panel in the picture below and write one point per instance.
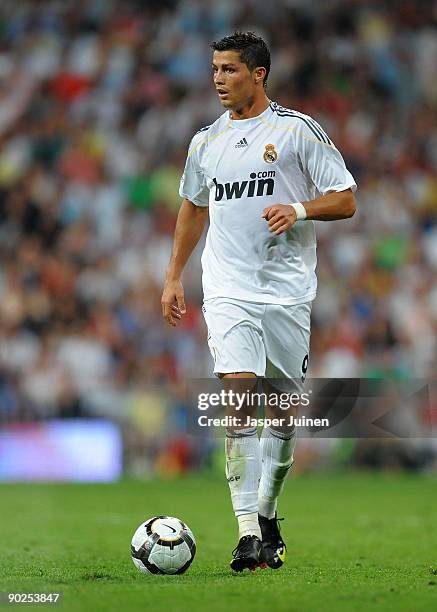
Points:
(163, 545)
(170, 559)
(141, 550)
(143, 568)
(168, 528)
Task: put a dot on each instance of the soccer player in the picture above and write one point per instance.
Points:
(264, 173)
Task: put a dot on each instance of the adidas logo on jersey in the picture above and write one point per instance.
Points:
(242, 143)
(261, 184)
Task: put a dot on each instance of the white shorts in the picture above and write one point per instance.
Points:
(269, 340)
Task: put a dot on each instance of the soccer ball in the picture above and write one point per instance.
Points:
(163, 545)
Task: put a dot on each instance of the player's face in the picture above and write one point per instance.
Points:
(234, 82)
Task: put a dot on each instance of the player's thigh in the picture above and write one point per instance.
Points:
(235, 336)
(287, 338)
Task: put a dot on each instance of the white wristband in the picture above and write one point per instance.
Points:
(301, 212)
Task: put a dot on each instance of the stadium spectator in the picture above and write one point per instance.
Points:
(97, 103)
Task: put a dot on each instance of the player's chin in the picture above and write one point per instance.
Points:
(225, 102)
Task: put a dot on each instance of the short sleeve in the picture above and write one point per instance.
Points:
(322, 160)
(193, 185)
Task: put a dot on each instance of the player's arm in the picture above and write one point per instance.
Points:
(322, 163)
(189, 227)
(330, 207)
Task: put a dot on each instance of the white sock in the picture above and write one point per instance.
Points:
(277, 450)
(243, 471)
(248, 525)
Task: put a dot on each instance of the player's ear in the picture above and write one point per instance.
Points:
(259, 75)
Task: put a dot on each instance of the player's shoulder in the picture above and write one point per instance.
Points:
(289, 113)
(202, 136)
(203, 130)
(304, 124)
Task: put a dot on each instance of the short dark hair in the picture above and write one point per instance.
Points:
(252, 48)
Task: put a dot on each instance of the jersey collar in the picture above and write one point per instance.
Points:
(246, 124)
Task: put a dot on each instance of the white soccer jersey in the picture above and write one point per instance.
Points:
(237, 168)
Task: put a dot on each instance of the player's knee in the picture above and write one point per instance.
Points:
(230, 375)
(282, 469)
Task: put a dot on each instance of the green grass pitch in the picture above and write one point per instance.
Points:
(355, 542)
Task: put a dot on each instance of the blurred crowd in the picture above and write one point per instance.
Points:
(98, 102)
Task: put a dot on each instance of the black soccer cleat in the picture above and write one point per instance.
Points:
(249, 553)
(273, 544)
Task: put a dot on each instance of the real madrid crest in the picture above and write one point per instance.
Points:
(270, 155)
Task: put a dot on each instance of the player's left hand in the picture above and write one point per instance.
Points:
(280, 217)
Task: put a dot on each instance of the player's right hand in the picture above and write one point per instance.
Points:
(173, 302)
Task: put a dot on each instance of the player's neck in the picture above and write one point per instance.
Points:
(252, 109)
